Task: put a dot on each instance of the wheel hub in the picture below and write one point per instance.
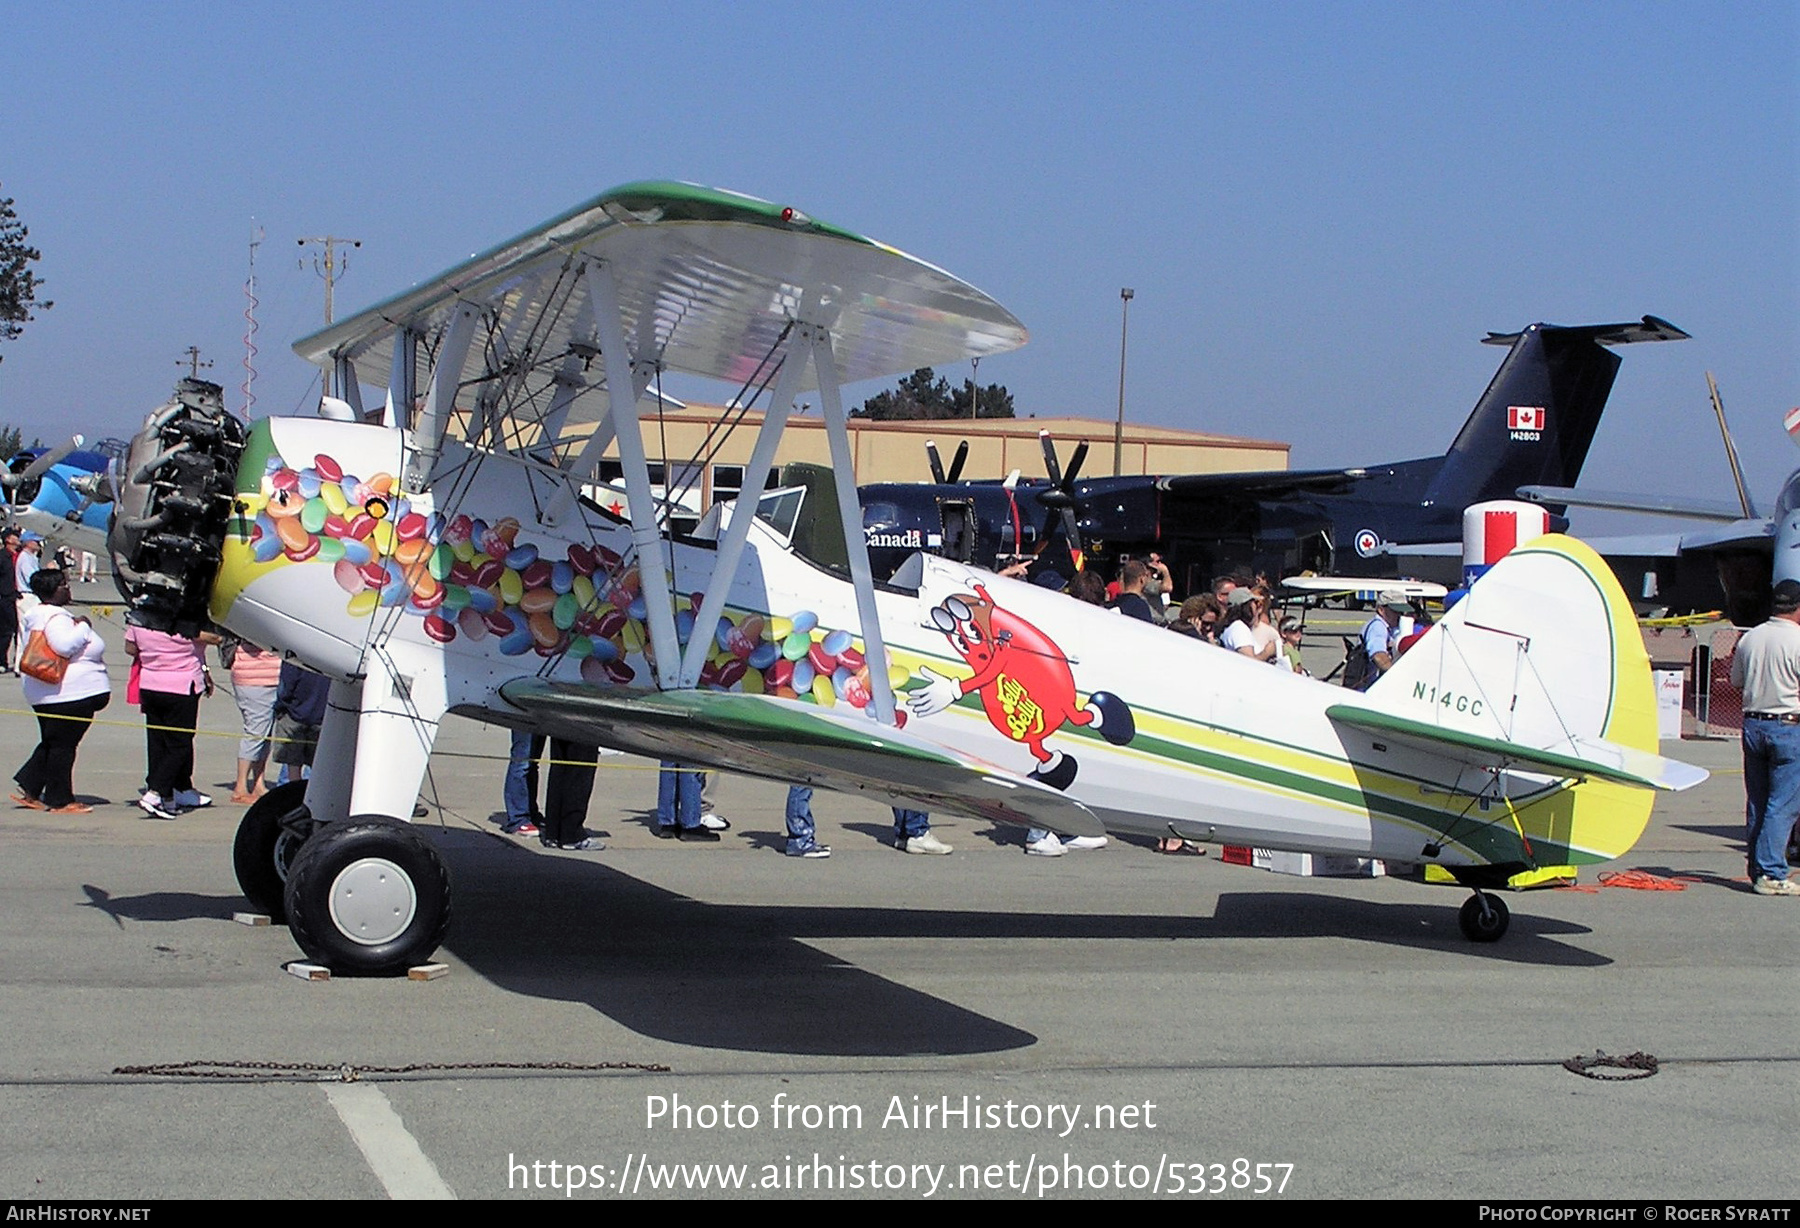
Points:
(372, 901)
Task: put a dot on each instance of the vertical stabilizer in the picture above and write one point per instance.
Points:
(1544, 652)
(1536, 420)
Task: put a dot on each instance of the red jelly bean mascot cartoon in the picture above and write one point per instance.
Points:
(1024, 680)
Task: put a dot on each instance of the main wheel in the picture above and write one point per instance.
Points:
(1484, 918)
(268, 839)
(368, 896)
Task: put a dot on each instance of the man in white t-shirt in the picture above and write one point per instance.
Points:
(1766, 665)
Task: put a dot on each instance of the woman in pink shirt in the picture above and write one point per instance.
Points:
(171, 679)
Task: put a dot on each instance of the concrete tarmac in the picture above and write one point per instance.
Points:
(1110, 1023)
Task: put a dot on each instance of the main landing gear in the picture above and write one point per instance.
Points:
(364, 896)
(269, 837)
(368, 896)
(1483, 918)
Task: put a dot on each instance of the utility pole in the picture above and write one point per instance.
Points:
(329, 267)
(1125, 296)
(193, 361)
(974, 388)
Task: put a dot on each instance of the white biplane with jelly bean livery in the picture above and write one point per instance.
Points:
(436, 554)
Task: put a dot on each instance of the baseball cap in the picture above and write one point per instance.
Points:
(1240, 596)
(1787, 596)
(1394, 599)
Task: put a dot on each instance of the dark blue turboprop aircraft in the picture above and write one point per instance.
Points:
(1533, 425)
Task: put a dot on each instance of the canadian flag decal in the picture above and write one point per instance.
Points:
(1524, 417)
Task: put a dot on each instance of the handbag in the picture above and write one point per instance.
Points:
(41, 661)
(133, 692)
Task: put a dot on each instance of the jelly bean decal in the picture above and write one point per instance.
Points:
(474, 581)
(1024, 680)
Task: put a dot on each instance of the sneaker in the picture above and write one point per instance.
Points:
(587, 844)
(1049, 846)
(812, 850)
(926, 843)
(191, 799)
(1776, 886)
(1080, 843)
(153, 805)
(715, 822)
(527, 828)
(703, 834)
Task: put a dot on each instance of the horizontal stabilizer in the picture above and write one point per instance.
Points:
(1593, 758)
(1650, 328)
(1663, 505)
(781, 740)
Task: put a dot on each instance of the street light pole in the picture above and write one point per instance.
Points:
(1125, 296)
(974, 387)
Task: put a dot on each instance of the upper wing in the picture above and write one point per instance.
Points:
(1333, 585)
(1267, 484)
(706, 280)
(780, 740)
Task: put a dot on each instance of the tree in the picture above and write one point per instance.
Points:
(12, 442)
(18, 285)
(926, 395)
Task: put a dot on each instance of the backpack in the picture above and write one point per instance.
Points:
(1356, 663)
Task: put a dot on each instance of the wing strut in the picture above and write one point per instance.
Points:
(621, 373)
(446, 372)
(856, 542)
(743, 511)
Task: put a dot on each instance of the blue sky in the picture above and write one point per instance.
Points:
(1321, 208)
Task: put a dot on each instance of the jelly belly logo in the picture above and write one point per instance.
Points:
(1525, 423)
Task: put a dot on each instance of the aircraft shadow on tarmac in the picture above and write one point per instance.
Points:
(745, 977)
(665, 965)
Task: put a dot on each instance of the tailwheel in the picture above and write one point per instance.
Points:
(1484, 918)
(368, 896)
(269, 837)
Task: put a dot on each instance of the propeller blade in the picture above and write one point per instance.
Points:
(1074, 469)
(937, 463)
(1052, 467)
(1062, 496)
(956, 462)
(40, 466)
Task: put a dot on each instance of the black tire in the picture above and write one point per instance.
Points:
(1484, 918)
(390, 890)
(269, 838)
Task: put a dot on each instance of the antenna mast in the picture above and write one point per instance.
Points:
(249, 385)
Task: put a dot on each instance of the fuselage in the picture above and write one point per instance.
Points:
(328, 558)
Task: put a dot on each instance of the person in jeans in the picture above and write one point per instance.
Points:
(1766, 665)
(65, 710)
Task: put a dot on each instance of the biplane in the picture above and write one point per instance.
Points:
(436, 556)
(64, 493)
